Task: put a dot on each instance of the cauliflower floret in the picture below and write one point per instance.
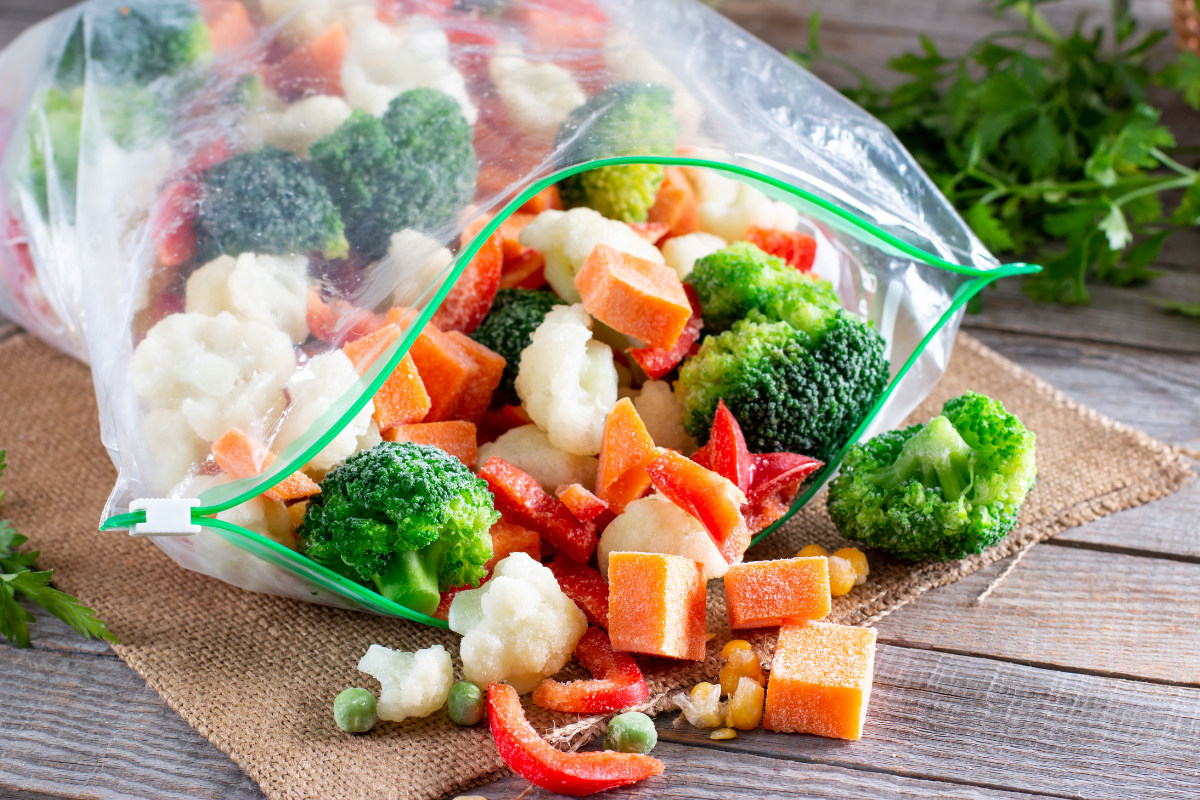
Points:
(173, 446)
(681, 252)
(518, 627)
(662, 414)
(537, 96)
(528, 448)
(567, 238)
(220, 372)
(656, 525)
(383, 61)
(567, 382)
(413, 262)
(268, 289)
(629, 61)
(412, 684)
(728, 207)
(296, 127)
(314, 388)
(307, 19)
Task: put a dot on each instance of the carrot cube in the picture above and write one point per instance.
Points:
(546, 200)
(446, 368)
(508, 538)
(634, 296)
(821, 680)
(316, 66)
(656, 605)
(229, 25)
(402, 398)
(762, 594)
(338, 322)
(582, 503)
(456, 437)
(676, 204)
(625, 450)
(242, 457)
(477, 396)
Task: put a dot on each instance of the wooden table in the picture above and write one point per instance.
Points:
(1079, 677)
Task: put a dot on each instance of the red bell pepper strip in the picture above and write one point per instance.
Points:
(582, 503)
(797, 249)
(585, 586)
(171, 223)
(705, 495)
(520, 498)
(774, 472)
(616, 680)
(576, 774)
(658, 361)
(728, 453)
(339, 322)
(470, 299)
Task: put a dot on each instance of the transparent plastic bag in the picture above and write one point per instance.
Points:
(141, 138)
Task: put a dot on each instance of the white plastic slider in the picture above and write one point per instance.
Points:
(165, 516)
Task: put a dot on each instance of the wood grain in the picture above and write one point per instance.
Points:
(1168, 528)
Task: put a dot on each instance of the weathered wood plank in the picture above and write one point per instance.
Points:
(1068, 608)
(988, 723)
(1169, 527)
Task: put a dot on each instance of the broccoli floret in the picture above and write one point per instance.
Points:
(509, 326)
(791, 391)
(943, 490)
(138, 41)
(628, 119)
(414, 168)
(269, 201)
(408, 518)
(732, 282)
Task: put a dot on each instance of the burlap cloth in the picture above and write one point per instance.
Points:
(257, 675)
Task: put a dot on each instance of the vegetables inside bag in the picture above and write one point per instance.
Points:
(280, 232)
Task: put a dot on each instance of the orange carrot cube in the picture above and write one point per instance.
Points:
(527, 271)
(676, 204)
(316, 66)
(656, 605)
(508, 538)
(446, 368)
(402, 398)
(821, 680)
(546, 200)
(762, 594)
(229, 25)
(634, 296)
(242, 457)
(625, 450)
(477, 397)
(456, 437)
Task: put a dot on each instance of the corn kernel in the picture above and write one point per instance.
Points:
(723, 733)
(858, 560)
(734, 644)
(841, 576)
(746, 705)
(701, 708)
(741, 664)
(811, 550)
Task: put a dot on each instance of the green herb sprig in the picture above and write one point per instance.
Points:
(1046, 142)
(17, 575)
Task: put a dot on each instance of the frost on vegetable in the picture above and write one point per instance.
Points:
(295, 127)
(656, 525)
(528, 448)
(518, 628)
(413, 684)
(538, 96)
(314, 389)
(567, 238)
(662, 414)
(681, 252)
(413, 262)
(268, 289)
(729, 208)
(567, 382)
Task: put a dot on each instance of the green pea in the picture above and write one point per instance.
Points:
(354, 710)
(466, 703)
(631, 732)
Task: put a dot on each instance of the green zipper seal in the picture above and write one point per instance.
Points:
(352, 401)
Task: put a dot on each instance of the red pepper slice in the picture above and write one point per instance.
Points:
(727, 450)
(797, 249)
(585, 586)
(470, 299)
(576, 774)
(520, 498)
(616, 680)
(339, 322)
(657, 361)
(774, 472)
(171, 223)
(650, 231)
(706, 496)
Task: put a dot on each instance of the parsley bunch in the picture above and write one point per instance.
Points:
(1046, 142)
(17, 575)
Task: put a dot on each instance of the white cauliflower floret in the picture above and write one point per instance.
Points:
(268, 289)
(173, 446)
(656, 525)
(412, 684)
(681, 252)
(266, 517)
(294, 128)
(567, 382)
(383, 61)
(313, 389)
(413, 262)
(662, 414)
(518, 627)
(220, 372)
(567, 238)
(537, 96)
(528, 448)
(729, 208)
(306, 19)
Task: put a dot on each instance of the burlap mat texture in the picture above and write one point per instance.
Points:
(257, 674)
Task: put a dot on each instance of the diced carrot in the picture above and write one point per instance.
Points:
(315, 67)
(456, 437)
(470, 299)
(508, 538)
(676, 205)
(582, 503)
(520, 498)
(446, 367)
(658, 361)
(229, 25)
(547, 199)
(797, 249)
(510, 236)
(528, 271)
(402, 399)
(339, 322)
(625, 449)
(705, 495)
(478, 395)
(634, 296)
(650, 231)
(171, 223)
(242, 457)
(656, 605)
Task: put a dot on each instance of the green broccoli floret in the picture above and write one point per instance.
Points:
(732, 282)
(269, 201)
(414, 168)
(942, 490)
(408, 518)
(791, 391)
(628, 119)
(138, 41)
(509, 326)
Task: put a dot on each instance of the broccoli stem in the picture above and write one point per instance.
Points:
(937, 456)
(411, 578)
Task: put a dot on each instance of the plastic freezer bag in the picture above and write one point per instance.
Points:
(211, 202)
